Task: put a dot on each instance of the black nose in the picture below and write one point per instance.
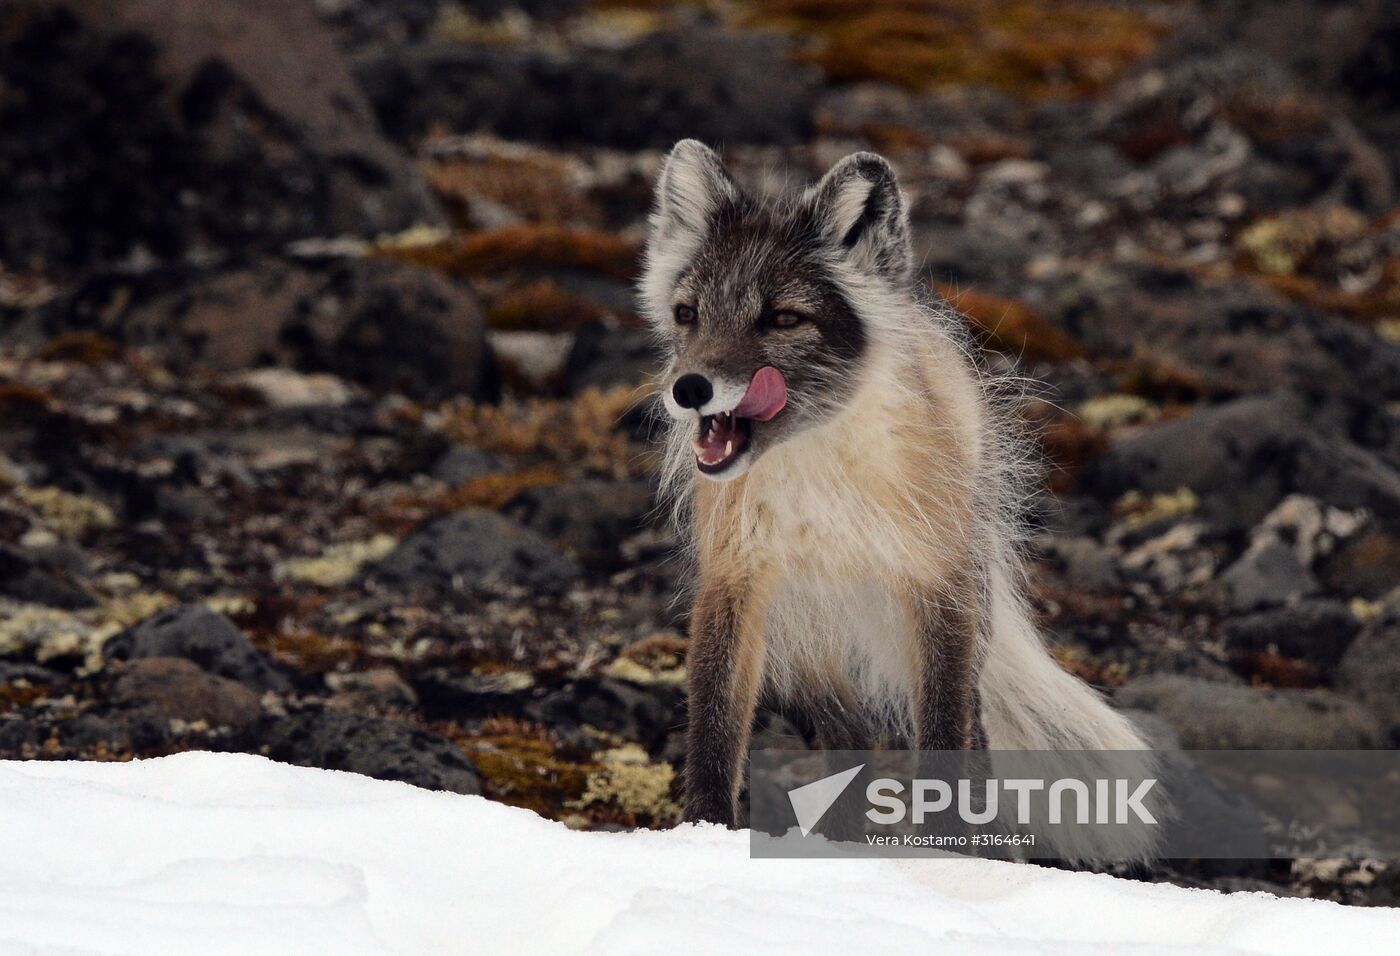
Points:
(692, 391)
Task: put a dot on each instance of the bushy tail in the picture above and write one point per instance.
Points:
(1030, 703)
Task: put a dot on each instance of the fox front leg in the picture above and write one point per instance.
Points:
(949, 625)
(723, 667)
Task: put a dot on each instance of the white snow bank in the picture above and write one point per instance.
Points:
(225, 853)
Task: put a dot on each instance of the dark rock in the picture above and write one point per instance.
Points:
(645, 714)
(706, 83)
(373, 746)
(1366, 565)
(449, 694)
(473, 547)
(136, 732)
(1316, 631)
(1235, 337)
(1370, 669)
(177, 689)
(460, 464)
(606, 357)
(194, 632)
(1209, 715)
(1269, 573)
(25, 576)
(388, 325)
(160, 129)
(1086, 564)
(591, 517)
(1242, 458)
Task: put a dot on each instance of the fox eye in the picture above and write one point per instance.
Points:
(786, 319)
(685, 315)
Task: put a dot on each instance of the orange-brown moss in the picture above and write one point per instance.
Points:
(13, 697)
(542, 305)
(1012, 326)
(495, 490)
(20, 401)
(1033, 49)
(537, 188)
(88, 348)
(525, 769)
(523, 248)
(312, 651)
(1266, 669)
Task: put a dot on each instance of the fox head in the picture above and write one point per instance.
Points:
(759, 304)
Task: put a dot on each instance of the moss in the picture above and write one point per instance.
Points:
(520, 765)
(659, 659)
(1033, 49)
(1137, 509)
(87, 348)
(535, 185)
(1105, 412)
(67, 514)
(1012, 326)
(19, 694)
(20, 402)
(1086, 668)
(494, 490)
(313, 651)
(628, 782)
(576, 435)
(541, 306)
(524, 247)
(338, 564)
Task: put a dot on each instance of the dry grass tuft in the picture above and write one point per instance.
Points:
(576, 435)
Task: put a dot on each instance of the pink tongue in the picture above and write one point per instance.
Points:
(766, 396)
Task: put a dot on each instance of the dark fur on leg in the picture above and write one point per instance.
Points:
(949, 624)
(723, 664)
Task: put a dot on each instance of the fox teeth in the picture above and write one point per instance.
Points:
(728, 448)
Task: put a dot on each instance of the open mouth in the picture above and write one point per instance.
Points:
(723, 438)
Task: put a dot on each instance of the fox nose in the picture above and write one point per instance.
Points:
(692, 391)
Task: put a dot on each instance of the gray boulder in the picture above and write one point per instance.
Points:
(1370, 669)
(1242, 458)
(1210, 715)
(210, 640)
(473, 548)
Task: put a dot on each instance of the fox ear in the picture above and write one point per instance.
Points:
(860, 211)
(692, 187)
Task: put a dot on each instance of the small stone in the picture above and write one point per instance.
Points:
(1267, 574)
(178, 690)
(210, 640)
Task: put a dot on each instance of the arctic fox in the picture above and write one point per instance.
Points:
(847, 486)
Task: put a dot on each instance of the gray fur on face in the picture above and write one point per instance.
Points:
(737, 262)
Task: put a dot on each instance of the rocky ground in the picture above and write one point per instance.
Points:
(322, 397)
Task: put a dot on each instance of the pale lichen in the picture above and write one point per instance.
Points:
(627, 780)
(66, 513)
(338, 564)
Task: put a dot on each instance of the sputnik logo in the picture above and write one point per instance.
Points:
(811, 801)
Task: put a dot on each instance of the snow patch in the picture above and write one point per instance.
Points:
(229, 853)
